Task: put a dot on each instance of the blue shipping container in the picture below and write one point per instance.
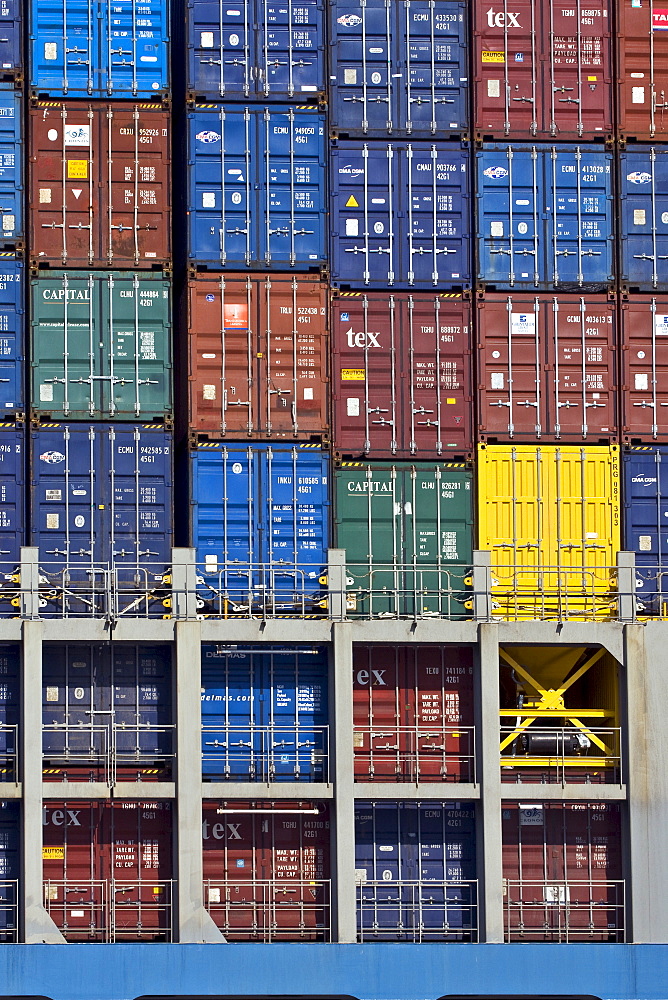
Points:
(399, 69)
(93, 48)
(12, 515)
(11, 334)
(256, 187)
(259, 49)
(404, 853)
(10, 853)
(260, 525)
(10, 693)
(545, 217)
(102, 497)
(11, 49)
(646, 522)
(644, 217)
(11, 166)
(264, 713)
(400, 215)
(116, 696)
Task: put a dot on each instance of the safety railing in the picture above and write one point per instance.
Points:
(565, 911)
(417, 912)
(408, 590)
(265, 753)
(560, 755)
(9, 911)
(111, 753)
(267, 910)
(557, 593)
(9, 754)
(414, 754)
(262, 590)
(106, 911)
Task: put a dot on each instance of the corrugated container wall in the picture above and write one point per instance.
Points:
(108, 869)
(642, 59)
(106, 712)
(400, 215)
(11, 167)
(644, 217)
(413, 713)
(550, 516)
(256, 50)
(84, 48)
(256, 189)
(100, 185)
(101, 345)
(543, 70)
(547, 368)
(260, 525)
(12, 335)
(398, 70)
(646, 524)
(644, 395)
(408, 533)
(264, 713)
(11, 42)
(12, 515)
(545, 217)
(401, 375)
(259, 356)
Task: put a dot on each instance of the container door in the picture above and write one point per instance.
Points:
(135, 375)
(643, 71)
(511, 217)
(592, 849)
(295, 857)
(67, 210)
(294, 711)
(645, 372)
(290, 59)
(75, 887)
(460, 865)
(232, 715)
(137, 854)
(437, 907)
(12, 347)
(12, 522)
(136, 180)
(65, 56)
(70, 684)
(644, 182)
(220, 62)
(533, 856)
(67, 359)
(365, 60)
(11, 51)
(9, 869)
(232, 864)
(381, 710)
(435, 60)
(646, 509)
(507, 85)
(291, 209)
(581, 227)
(141, 709)
(378, 859)
(10, 692)
(134, 48)
(437, 709)
(578, 70)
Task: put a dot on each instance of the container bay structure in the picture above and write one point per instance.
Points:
(332, 547)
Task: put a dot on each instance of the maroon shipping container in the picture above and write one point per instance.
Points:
(642, 97)
(413, 713)
(563, 871)
(108, 869)
(401, 375)
(547, 368)
(267, 870)
(542, 70)
(644, 394)
(100, 186)
(259, 355)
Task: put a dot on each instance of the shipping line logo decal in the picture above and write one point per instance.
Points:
(207, 136)
(52, 457)
(660, 20)
(349, 20)
(351, 171)
(639, 177)
(495, 172)
(644, 480)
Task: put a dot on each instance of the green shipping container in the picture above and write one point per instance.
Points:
(407, 529)
(101, 345)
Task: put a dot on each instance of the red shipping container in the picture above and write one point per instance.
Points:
(642, 96)
(563, 871)
(542, 70)
(547, 368)
(108, 869)
(644, 394)
(267, 870)
(413, 713)
(259, 356)
(401, 375)
(100, 184)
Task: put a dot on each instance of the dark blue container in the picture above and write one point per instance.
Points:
(258, 49)
(400, 215)
(644, 217)
(10, 694)
(11, 334)
(256, 190)
(409, 849)
(11, 166)
(545, 217)
(101, 501)
(264, 713)
(646, 522)
(10, 853)
(123, 692)
(399, 69)
(260, 525)
(11, 51)
(94, 48)
(12, 516)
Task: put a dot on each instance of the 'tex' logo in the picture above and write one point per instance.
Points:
(504, 19)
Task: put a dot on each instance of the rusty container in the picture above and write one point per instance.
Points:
(100, 184)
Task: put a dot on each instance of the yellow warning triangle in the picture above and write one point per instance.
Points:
(352, 202)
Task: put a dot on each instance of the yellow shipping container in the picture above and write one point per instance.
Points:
(550, 516)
